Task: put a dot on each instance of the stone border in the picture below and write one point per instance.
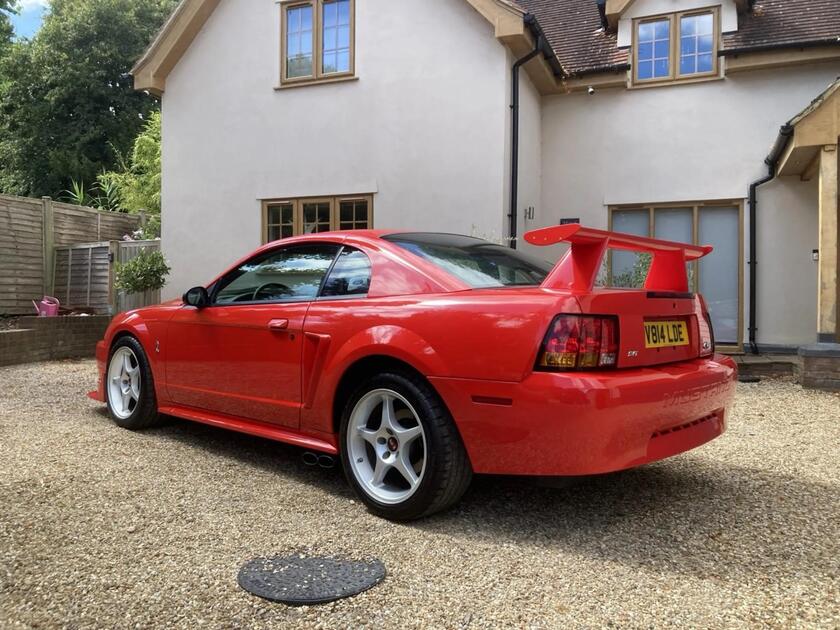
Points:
(52, 338)
(821, 366)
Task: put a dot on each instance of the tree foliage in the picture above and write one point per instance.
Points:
(135, 186)
(68, 109)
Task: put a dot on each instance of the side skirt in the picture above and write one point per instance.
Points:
(260, 429)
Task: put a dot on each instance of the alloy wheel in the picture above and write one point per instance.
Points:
(387, 446)
(124, 382)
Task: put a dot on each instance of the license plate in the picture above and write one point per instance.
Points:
(665, 334)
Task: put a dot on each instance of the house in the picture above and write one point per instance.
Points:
(712, 121)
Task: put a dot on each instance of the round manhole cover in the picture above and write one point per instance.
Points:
(299, 580)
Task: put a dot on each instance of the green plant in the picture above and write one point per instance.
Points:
(146, 272)
(77, 194)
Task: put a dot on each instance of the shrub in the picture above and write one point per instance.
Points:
(146, 272)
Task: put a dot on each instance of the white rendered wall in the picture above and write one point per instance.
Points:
(704, 141)
(423, 129)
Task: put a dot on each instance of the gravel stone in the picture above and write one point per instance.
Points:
(105, 528)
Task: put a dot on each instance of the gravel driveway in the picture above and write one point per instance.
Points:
(100, 527)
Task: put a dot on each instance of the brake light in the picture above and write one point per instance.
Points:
(576, 342)
(707, 336)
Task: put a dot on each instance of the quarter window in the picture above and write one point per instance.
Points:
(317, 40)
(292, 217)
(290, 274)
(349, 276)
(675, 47)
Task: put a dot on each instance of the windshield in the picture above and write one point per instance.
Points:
(476, 262)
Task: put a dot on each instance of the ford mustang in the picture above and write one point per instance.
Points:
(421, 359)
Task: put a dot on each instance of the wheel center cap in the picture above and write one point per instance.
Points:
(393, 444)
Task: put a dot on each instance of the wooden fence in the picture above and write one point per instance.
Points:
(30, 229)
(84, 276)
(127, 251)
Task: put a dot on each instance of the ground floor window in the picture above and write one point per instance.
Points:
(283, 218)
(719, 276)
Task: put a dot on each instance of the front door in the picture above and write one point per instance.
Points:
(241, 355)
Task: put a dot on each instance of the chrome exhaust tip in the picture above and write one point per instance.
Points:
(309, 458)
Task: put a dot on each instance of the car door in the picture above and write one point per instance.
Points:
(241, 355)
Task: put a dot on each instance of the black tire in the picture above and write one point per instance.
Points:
(145, 412)
(448, 472)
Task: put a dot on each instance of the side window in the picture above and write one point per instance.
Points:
(349, 276)
(289, 274)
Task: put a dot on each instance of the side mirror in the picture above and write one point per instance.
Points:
(197, 296)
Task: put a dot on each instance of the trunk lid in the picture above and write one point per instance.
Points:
(654, 327)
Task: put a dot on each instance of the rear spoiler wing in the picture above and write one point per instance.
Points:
(578, 268)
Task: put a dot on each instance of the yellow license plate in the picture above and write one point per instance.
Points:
(665, 334)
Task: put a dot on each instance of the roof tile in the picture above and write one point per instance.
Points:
(573, 28)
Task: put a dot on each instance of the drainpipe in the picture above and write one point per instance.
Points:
(772, 162)
(514, 142)
(541, 45)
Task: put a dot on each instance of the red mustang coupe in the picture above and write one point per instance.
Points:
(423, 358)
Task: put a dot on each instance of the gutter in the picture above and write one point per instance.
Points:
(772, 162)
(541, 46)
(814, 43)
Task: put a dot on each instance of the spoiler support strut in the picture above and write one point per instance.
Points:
(578, 268)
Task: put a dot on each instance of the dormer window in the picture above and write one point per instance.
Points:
(317, 41)
(675, 47)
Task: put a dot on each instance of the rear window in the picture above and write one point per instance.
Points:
(478, 263)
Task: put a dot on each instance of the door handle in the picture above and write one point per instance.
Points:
(278, 324)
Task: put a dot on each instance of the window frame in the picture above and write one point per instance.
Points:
(695, 207)
(674, 50)
(297, 212)
(317, 76)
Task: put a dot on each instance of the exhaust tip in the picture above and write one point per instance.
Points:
(309, 458)
(326, 461)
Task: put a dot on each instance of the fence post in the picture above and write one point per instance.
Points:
(49, 244)
(113, 294)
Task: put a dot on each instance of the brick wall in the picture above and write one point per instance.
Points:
(52, 338)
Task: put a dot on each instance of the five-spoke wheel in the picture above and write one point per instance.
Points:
(400, 448)
(129, 385)
(387, 445)
(124, 382)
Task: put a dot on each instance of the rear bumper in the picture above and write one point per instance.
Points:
(590, 423)
(101, 359)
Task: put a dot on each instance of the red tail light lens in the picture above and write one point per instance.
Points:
(575, 342)
(707, 336)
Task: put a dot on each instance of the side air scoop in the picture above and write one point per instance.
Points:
(578, 269)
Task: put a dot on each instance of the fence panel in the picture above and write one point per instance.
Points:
(82, 278)
(22, 277)
(29, 230)
(128, 250)
(77, 224)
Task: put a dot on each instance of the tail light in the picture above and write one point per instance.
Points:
(575, 342)
(707, 336)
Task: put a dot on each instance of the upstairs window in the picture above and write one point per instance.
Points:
(675, 47)
(317, 41)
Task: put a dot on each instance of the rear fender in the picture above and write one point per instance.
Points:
(388, 341)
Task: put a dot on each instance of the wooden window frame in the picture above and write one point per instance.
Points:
(297, 210)
(695, 207)
(317, 76)
(675, 43)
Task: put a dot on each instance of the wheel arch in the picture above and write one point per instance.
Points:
(362, 369)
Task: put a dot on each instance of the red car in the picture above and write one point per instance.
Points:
(421, 359)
